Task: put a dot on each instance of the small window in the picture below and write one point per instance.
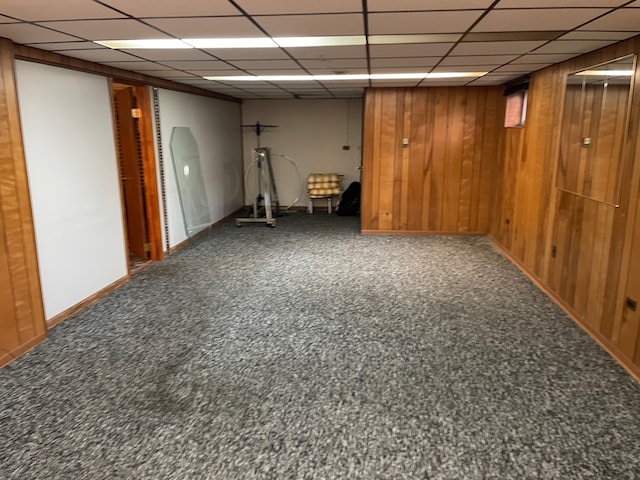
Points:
(516, 110)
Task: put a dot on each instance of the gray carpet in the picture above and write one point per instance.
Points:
(309, 351)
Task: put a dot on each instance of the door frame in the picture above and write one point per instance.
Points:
(149, 170)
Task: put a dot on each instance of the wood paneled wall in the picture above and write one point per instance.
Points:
(584, 252)
(21, 313)
(440, 181)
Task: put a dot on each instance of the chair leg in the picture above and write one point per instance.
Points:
(329, 204)
(310, 206)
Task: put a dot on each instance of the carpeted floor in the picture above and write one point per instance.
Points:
(309, 351)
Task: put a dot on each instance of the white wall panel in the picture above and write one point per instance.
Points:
(215, 124)
(73, 179)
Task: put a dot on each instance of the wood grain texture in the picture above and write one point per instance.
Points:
(146, 131)
(22, 314)
(598, 113)
(441, 180)
(582, 250)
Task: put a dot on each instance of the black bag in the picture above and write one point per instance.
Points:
(350, 202)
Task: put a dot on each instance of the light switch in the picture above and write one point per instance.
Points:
(405, 142)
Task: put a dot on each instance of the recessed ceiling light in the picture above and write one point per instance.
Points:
(159, 43)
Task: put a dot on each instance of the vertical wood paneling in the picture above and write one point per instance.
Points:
(441, 182)
(21, 317)
(593, 269)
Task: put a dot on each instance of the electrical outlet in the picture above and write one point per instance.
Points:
(346, 147)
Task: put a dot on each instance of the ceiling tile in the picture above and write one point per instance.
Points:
(458, 68)
(332, 71)
(266, 64)
(196, 64)
(420, 63)
(248, 53)
(479, 60)
(62, 46)
(536, 19)
(33, 10)
(99, 55)
(335, 63)
(411, 5)
(351, 51)
(574, 47)
(261, 7)
(520, 36)
(518, 68)
(312, 25)
(27, 33)
(155, 8)
(171, 74)
(421, 22)
(207, 27)
(169, 54)
(411, 50)
(559, 3)
(497, 48)
(106, 29)
(4, 19)
(595, 35)
(213, 72)
(547, 58)
(627, 19)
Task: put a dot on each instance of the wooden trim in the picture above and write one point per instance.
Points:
(62, 316)
(31, 54)
(422, 233)
(145, 127)
(612, 350)
(23, 312)
(8, 357)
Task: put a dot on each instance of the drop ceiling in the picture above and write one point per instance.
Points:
(505, 38)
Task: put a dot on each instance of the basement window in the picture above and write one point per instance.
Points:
(516, 109)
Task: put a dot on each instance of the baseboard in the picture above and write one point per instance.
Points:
(62, 316)
(8, 357)
(421, 232)
(204, 232)
(615, 353)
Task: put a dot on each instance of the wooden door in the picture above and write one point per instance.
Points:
(131, 173)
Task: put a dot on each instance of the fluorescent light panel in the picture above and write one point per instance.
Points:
(606, 73)
(364, 76)
(261, 42)
(158, 44)
(275, 42)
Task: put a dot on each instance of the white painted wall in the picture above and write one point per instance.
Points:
(215, 124)
(312, 133)
(67, 126)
